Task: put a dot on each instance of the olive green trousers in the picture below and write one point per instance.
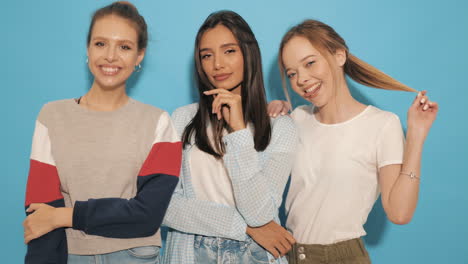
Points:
(346, 252)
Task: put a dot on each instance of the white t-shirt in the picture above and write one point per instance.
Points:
(210, 178)
(334, 181)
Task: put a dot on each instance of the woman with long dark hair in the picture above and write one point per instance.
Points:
(236, 160)
(103, 164)
(349, 152)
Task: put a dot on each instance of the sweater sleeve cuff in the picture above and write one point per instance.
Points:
(239, 228)
(239, 139)
(79, 215)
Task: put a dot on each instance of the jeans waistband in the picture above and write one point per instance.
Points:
(219, 242)
(327, 253)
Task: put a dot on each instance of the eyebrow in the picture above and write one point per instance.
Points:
(306, 57)
(119, 40)
(222, 46)
(303, 59)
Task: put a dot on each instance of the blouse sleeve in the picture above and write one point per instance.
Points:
(259, 184)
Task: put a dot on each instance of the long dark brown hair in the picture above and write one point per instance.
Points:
(326, 40)
(252, 90)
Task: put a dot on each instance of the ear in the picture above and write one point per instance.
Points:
(141, 55)
(340, 57)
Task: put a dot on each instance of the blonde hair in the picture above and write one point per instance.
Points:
(325, 39)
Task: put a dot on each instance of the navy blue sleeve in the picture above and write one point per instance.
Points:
(121, 218)
(50, 248)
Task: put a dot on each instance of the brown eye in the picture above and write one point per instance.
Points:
(125, 47)
(99, 44)
(310, 63)
(205, 56)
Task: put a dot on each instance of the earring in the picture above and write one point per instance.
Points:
(137, 68)
(86, 59)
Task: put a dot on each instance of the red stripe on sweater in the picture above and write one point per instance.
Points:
(43, 183)
(165, 158)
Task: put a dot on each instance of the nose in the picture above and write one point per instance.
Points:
(111, 53)
(218, 62)
(302, 79)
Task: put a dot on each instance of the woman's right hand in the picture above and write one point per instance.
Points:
(45, 218)
(278, 107)
(272, 237)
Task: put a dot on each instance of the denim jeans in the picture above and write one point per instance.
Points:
(215, 250)
(138, 255)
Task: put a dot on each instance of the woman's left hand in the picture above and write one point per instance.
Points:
(421, 115)
(228, 105)
(40, 222)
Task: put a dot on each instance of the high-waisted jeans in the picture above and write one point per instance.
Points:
(215, 250)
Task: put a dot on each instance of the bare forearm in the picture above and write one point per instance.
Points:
(404, 193)
(63, 217)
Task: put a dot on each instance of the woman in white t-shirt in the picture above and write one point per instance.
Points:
(349, 152)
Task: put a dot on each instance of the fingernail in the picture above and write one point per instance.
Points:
(274, 115)
(425, 107)
(283, 113)
(423, 100)
(419, 94)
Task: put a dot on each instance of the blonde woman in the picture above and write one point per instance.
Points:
(349, 152)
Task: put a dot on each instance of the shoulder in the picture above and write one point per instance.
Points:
(385, 123)
(187, 111)
(380, 116)
(284, 135)
(282, 123)
(57, 105)
(302, 112)
(147, 109)
(151, 115)
(51, 109)
(182, 116)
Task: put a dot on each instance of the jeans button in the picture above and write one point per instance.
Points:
(302, 256)
(300, 249)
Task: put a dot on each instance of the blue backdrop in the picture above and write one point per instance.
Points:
(422, 43)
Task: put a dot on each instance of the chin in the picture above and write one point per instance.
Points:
(110, 85)
(316, 103)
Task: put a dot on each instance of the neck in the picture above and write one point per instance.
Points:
(341, 107)
(100, 99)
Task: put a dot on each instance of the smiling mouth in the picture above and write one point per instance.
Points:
(110, 71)
(313, 90)
(222, 77)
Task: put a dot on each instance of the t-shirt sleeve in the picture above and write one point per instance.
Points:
(390, 144)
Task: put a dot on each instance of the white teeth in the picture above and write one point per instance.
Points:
(315, 86)
(109, 70)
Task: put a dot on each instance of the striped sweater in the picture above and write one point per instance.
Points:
(118, 170)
